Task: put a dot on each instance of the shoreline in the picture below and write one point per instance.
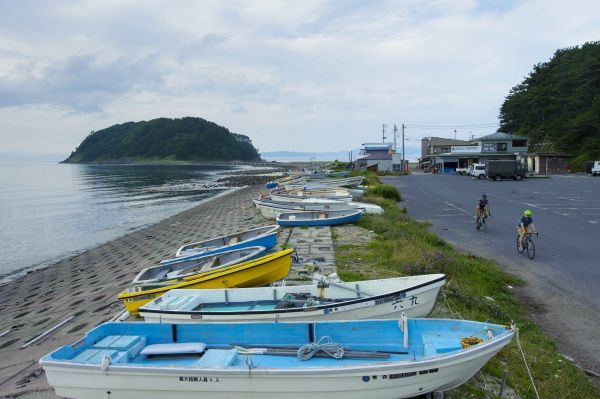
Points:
(85, 285)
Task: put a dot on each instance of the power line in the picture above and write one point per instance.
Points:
(477, 126)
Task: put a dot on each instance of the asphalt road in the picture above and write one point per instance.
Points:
(563, 278)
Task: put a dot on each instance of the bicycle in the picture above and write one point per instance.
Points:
(527, 244)
(481, 223)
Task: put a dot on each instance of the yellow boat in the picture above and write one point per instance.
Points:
(252, 273)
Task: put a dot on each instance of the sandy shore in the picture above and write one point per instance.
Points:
(86, 285)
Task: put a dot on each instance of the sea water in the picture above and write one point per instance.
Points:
(49, 210)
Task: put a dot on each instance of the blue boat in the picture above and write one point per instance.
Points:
(319, 218)
(262, 236)
(377, 359)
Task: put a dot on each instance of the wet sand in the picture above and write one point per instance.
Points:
(85, 286)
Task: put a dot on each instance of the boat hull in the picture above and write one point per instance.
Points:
(433, 361)
(376, 299)
(318, 218)
(253, 273)
(261, 236)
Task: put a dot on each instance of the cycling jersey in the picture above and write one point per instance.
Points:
(526, 221)
(482, 204)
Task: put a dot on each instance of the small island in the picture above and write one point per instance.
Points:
(186, 139)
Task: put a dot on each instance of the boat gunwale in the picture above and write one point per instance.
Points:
(297, 310)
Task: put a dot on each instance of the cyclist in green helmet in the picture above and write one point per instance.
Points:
(525, 225)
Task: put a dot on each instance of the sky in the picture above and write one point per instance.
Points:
(302, 75)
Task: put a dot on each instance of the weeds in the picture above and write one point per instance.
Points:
(476, 289)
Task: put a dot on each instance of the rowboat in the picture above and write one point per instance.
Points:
(189, 267)
(336, 193)
(319, 218)
(328, 300)
(265, 236)
(375, 359)
(252, 273)
(270, 208)
(327, 182)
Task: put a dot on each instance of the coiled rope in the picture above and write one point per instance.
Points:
(333, 349)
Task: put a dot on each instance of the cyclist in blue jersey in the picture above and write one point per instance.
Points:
(525, 225)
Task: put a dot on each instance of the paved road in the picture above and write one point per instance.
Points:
(563, 278)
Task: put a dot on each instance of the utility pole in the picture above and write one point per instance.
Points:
(395, 134)
(403, 147)
(384, 126)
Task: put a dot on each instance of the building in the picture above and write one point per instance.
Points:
(379, 157)
(446, 155)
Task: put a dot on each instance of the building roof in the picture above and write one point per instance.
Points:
(501, 136)
(438, 141)
(379, 155)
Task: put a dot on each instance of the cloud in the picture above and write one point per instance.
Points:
(290, 75)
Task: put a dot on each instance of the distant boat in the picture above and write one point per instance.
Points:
(319, 218)
(328, 300)
(327, 182)
(311, 204)
(265, 236)
(336, 193)
(293, 360)
(269, 209)
(252, 273)
(204, 263)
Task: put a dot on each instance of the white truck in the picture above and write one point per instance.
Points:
(477, 171)
(596, 168)
(461, 171)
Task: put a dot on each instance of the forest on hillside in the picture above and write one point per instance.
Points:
(163, 139)
(558, 104)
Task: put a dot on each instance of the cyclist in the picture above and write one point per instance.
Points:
(483, 209)
(524, 226)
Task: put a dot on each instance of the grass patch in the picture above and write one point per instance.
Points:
(475, 289)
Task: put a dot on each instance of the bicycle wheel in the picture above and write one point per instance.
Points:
(518, 243)
(482, 225)
(530, 248)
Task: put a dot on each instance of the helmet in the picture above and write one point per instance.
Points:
(527, 212)
(483, 195)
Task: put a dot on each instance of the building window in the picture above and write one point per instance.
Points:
(519, 143)
(501, 146)
(397, 167)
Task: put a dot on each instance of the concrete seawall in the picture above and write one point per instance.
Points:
(83, 288)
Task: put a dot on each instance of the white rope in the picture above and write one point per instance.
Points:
(333, 349)
(516, 330)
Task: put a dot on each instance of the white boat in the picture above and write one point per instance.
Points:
(185, 268)
(270, 209)
(328, 300)
(324, 183)
(375, 359)
(319, 218)
(336, 193)
(265, 236)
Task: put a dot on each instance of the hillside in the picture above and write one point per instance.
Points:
(185, 139)
(559, 104)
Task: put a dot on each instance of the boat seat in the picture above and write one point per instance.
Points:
(163, 273)
(209, 265)
(174, 348)
(218, 357)
(233, 240)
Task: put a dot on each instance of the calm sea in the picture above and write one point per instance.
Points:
(50, 210)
